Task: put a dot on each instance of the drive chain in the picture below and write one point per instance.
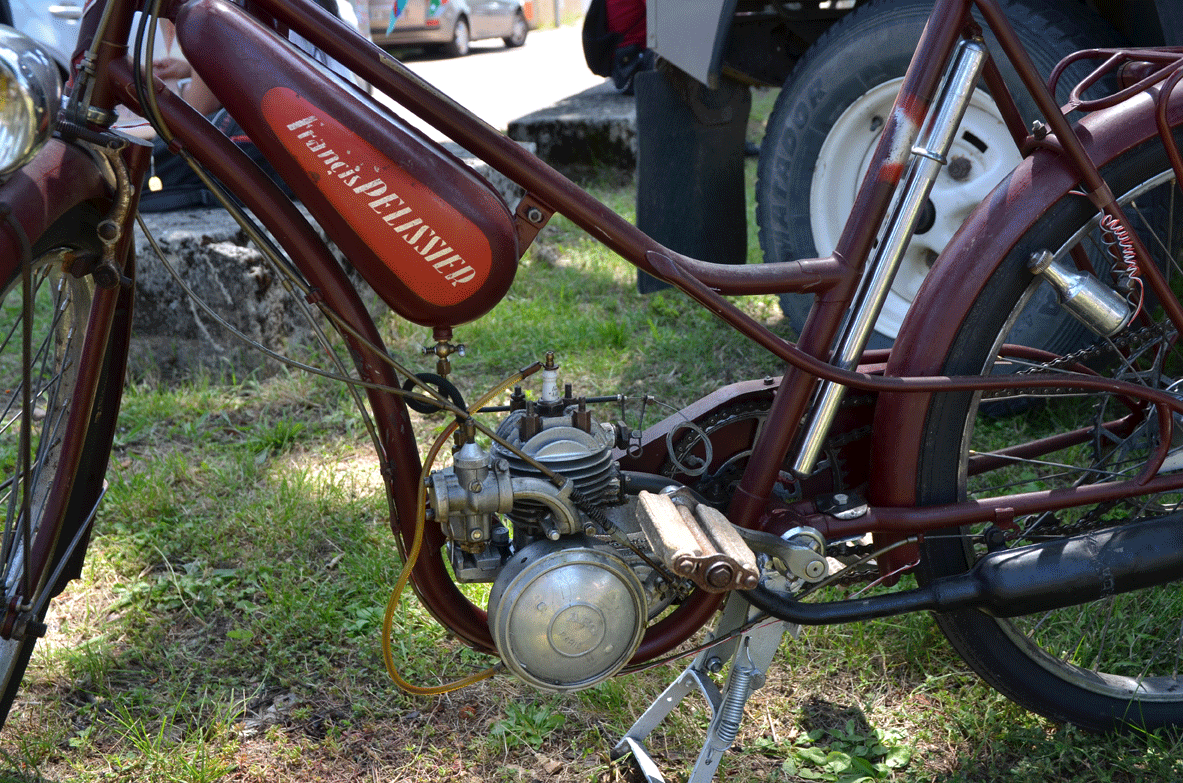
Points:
(1122, 343)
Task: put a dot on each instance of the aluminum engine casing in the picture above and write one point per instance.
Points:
(566, 615)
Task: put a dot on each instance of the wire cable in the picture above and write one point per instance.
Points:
(413, 556)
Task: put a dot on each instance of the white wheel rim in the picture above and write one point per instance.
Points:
(845, 156)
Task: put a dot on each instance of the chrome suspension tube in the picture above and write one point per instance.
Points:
(928, 156)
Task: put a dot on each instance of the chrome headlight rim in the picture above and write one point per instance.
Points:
(30, 97)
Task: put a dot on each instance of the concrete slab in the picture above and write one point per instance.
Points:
(591, 129)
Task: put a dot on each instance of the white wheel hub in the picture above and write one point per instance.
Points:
(982, 154)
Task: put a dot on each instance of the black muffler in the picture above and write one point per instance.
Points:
(1025, 580)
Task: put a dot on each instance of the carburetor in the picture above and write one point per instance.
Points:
(467, 495)
(547, 451)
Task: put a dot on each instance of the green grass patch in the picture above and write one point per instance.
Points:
(227, 624)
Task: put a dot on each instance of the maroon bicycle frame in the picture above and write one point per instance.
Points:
(903, 389)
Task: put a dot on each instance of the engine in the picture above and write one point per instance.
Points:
(530, 513)
(514, 480)
(580, 560)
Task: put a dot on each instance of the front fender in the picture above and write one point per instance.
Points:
(59, 178)
(960, 273)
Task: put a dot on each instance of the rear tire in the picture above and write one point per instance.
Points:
(517, 36)
(62, 305)
(1113, 663)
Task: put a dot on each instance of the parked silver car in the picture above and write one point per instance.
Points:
(449, 25)
(53, 24)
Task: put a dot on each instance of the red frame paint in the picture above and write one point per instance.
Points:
(213, 31)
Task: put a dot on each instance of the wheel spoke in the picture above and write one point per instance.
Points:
(48, 315)
(1113, 660)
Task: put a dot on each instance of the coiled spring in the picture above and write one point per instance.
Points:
(1116, 239)
(731, 711)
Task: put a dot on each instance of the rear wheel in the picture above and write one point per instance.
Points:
(61, 306)
(517, 35)
(461, 39)
(1119, 661)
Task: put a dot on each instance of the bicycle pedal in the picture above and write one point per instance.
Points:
(697, 542)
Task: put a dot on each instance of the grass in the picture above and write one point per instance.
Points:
(227, 624)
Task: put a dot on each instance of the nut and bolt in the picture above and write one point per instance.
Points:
(960, 168)
(720, 575)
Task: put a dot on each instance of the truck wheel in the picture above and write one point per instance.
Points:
(827, 122)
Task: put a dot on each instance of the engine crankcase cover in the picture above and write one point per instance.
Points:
(566, 615)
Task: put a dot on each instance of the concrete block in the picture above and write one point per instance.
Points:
(174, 338)
(592, 129)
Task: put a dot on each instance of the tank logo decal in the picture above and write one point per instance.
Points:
(382, 201)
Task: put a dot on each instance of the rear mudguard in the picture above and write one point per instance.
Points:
(960, 273)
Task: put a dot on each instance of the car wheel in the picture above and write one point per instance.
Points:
(517, 35)
(460, 39)
(827, 122)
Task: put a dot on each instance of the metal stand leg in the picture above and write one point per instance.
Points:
(751, 654)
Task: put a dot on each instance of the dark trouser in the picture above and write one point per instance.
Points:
(690, 178)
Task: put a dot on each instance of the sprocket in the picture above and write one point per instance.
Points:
(732, 430)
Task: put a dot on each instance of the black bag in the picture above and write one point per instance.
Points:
(599, 43)
(182, 189)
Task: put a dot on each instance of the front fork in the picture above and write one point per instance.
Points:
(60, 533)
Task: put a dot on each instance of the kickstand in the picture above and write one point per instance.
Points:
(751, 654)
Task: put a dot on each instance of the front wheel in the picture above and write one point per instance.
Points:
(1116, 662)
(60, 305)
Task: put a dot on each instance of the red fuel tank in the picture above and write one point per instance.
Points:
(435, 241)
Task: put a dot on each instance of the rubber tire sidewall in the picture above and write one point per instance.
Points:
(455, 47)
(76, 227)
(977, 637)
(872, 45)
(512, 41)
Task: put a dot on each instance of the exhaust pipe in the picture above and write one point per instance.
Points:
(1026, 580)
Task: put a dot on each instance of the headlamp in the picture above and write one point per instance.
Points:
(30, 96)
